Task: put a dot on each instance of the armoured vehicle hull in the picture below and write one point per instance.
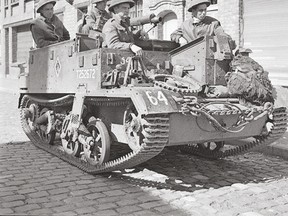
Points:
(104, 109)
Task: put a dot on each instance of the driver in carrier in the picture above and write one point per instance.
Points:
(96, 17)
(47, 29)
(117, 30)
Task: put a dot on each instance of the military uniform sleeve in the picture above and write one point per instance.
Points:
(137, 34)
(91, 20)
(218, 30)
(112, 39)
(66, 35)
(39, 37)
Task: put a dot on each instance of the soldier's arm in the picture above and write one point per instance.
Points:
(176, 35)
(66, 35)
(91, 20)
(218, 30)
(39, 38)
(112, 39)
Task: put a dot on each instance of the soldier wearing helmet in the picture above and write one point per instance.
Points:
(199, 24)
(118, 34)
(47, 28)
(96, 17)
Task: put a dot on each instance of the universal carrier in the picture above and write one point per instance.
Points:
(104, 109)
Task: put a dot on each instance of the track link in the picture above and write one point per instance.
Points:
(176, 89)
(280, 117)
(155, 132)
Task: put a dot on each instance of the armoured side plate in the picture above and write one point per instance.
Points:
(77, 109)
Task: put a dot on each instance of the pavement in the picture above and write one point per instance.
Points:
(34, 182)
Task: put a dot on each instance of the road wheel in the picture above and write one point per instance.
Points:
(99, 151)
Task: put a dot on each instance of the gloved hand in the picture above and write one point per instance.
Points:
(175, 37)
(136, 49)
(60, 39)
(141, 34)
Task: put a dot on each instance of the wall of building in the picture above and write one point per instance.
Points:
(68, 14)
(15, 19)
(0, 51)
(15, 33)
(227, 12)
(265, 32)
(229, 16)
(17, 12)
(166, 8)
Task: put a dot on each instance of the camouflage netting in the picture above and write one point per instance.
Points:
(249, 80)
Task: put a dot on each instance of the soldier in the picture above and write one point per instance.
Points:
(118, 34)
(96, 17)
(199, 25)
(47, 29)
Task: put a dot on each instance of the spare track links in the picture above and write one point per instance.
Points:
(156, 132)
(280, 118)
(164, 85)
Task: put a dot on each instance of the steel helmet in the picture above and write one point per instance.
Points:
(41, 3)
(194, 3)
(97, 1)
(245, 50)
(113, 3)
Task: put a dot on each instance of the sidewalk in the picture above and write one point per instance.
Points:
(278, 148)
(9, 85)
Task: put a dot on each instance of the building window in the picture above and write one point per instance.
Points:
(6, 55)
(5, 12)
(167, 26)
(137, 10)
(14, 44)
(6, 2)
(28, 6)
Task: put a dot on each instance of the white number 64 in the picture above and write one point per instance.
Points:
(155, 100)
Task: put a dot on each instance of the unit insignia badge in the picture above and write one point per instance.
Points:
(57, 67)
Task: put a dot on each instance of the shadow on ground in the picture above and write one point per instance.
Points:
(182, 172)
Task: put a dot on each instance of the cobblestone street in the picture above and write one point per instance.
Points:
(33, 182)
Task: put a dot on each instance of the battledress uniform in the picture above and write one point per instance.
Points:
(191, 30)
(118, 34)
(95, 20)
(46, 33)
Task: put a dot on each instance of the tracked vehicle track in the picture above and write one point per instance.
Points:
(156, 135)
(280, 119)
(156, 132)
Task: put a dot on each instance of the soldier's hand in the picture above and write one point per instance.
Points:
(182, 41)
(175, 37)
(143, 35)
(137, 50)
